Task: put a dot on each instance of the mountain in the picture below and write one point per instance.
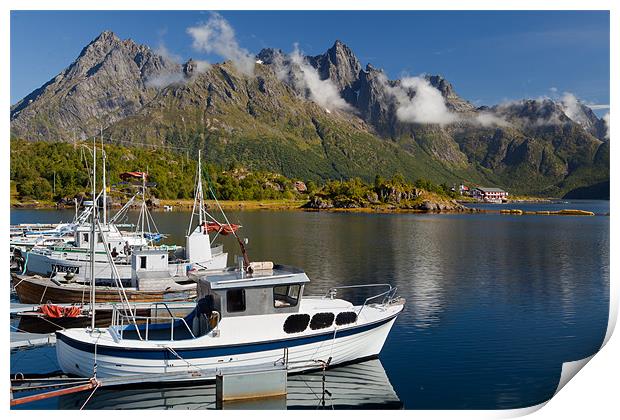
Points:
(106, 83)
(317, 117)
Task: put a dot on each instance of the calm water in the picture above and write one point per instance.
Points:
(495, 303)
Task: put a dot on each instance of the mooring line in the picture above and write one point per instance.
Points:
(90, 396)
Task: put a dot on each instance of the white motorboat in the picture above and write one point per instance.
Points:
(243, 318)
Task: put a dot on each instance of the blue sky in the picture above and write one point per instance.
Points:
(490, 57)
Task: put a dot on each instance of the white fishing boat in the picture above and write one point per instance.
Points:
(200, 251)
(244, 317)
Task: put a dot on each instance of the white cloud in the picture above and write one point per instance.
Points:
(202, 66)
(323, 92)
(571, 107)
(162, 80)
(218, 37)
(606, 120)
(597, 106)
(488, 119)
(419, 102)
(164, 52)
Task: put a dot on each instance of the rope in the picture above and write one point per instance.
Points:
(43, 295)
(18, 283)
(90, 396)
(53, 323)
(25, 265)
(171, 350)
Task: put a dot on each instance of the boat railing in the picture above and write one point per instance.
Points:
(120, 320)
(386, 296)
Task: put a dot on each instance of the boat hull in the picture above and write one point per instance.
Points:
(304, 353)
(34, 289)
(45, 265)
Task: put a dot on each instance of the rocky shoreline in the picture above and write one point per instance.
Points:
(321, 203)
(314, 204)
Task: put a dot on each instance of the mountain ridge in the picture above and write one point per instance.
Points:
(318, 117)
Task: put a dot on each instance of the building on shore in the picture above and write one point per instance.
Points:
(490, 195)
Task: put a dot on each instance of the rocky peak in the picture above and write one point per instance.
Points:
(109, 80)
(534, 111)
(271, 56)
(441, 84)
(374, 103)
(585, 117)
(105, 37)
(339, 64)
(453, 101)
(190, 67)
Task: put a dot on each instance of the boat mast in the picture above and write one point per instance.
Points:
(198, 199)
(143, 209)
(105, 197)
(201, 198)
(93, 239)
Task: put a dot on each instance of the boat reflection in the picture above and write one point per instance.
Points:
(363, 385)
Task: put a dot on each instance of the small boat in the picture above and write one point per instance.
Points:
(150, 281)
(244, 317)
(36, 290)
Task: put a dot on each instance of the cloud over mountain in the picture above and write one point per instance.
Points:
(217, 36)
(323, 92)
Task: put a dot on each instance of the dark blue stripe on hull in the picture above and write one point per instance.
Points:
(228, 350)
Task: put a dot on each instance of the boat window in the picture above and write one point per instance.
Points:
(322, 320)
(296, 323)
(142, 262)
(85, 237)
(344, 318)
(235, 300)
(286, 296)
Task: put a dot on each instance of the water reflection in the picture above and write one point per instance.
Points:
(363, 385)
(495, 303)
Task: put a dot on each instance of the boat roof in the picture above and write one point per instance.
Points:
(233, 278)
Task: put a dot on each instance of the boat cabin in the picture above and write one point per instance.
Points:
(115, 239)
(149, 269)
(233, 292)
(227, 293)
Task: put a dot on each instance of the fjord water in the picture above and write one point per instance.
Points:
(495, 303)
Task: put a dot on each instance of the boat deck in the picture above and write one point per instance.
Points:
(21, 340)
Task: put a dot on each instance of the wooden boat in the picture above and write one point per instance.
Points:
(37, 289)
